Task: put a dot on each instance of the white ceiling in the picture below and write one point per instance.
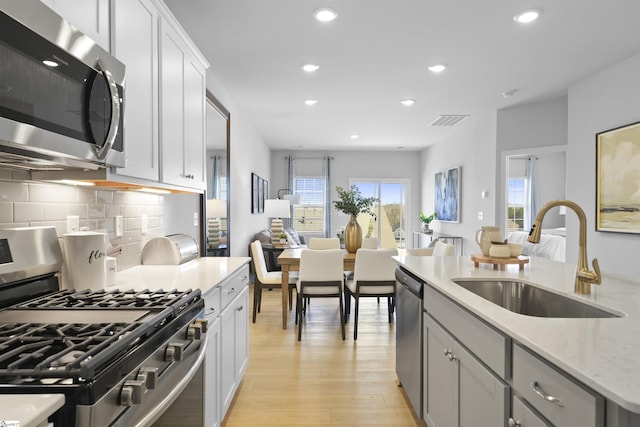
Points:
(376, 53)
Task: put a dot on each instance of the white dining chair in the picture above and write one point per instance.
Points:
(320, 275)
(267, 279)
(324, 243)
(439, 248)
(369, 243)
(373, 276)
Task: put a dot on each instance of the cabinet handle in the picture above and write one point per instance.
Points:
(240, 308)
(211, 310)
(450, 355)
(542, 394)
(232, 290)
(514, 423)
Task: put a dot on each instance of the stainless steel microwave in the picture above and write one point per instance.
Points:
(61, 95)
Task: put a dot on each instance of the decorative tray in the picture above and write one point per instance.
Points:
(499, 262)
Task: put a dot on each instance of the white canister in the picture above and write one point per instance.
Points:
(85, 260)
(111, 270)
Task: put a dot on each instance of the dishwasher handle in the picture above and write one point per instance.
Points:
(410, 282)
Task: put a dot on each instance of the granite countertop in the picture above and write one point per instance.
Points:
(29, 410)
(601, 353)
(201, 273)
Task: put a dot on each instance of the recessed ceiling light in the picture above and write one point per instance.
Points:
(50, 63)
(310, 68)
(325, 14)
(408, 102)
(509, 93)
(527, 16)
(311, 101)
(354, 136)
(438, 68)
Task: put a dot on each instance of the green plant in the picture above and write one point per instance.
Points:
(353, 203)
(427, 219)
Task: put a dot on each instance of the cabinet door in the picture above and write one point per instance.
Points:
(242, 333)
(483, 400)
(195, 113)
(172, 77)
(135, 43)
(525, 417)
(212, 360)
(441, 402)
(89, 16)
(227, 358)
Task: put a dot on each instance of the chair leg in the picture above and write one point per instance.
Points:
(290, 297)
(299, 315)
(355, 316)
(347, 303)
(340, 298)
(256, 299)
(390, 308)
(378, 300)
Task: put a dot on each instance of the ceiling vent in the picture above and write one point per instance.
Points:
(448, 120)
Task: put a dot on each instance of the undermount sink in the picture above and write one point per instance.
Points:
(523, 298)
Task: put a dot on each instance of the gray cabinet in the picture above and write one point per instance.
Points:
(89, 16)
(523, 416)
(234, 336)
(459, 390)
(183, 110)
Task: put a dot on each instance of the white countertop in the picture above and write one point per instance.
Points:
(601, 353)
(201, 273)
(30, 410)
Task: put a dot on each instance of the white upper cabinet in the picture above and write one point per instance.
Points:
(135, 43)
(182, 110)
(89, 16)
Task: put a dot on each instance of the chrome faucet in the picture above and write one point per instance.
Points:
(584, 277)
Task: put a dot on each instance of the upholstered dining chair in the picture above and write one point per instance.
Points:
(369, 243)
(266, 279)
(320, 275)
(440, 248)
(373, 276)
(324, 243)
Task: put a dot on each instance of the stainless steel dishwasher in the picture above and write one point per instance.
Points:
(409, 295)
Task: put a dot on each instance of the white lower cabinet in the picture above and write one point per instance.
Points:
(226, 312)
(459, 389)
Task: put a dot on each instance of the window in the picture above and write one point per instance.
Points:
(391, 212)
(516, 204)
(308, 215)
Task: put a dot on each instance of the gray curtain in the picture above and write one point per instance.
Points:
(215, 179)
(531, 196)
(326, 172)
(291, 175)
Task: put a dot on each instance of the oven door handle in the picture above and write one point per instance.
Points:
(101, 152)
(159, 409)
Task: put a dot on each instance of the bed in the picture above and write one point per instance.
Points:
(552, 244)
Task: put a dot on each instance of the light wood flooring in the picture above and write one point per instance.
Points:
(322, 380)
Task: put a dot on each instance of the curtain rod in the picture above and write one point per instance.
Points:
(310, 158)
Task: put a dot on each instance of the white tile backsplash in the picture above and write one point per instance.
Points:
(24, 203)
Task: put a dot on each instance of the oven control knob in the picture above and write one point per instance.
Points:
(173, 353)
(132, 392)
(149, 375)
(203, 324)
(194, 332)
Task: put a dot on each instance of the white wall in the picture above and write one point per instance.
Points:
(249, 153)
(355, 164)
(473, 148)
(603, 101)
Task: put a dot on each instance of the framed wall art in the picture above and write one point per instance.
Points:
(618, 179)
(447, 195)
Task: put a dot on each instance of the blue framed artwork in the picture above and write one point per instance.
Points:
(447, 195)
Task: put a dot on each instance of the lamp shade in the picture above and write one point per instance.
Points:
(216, 208)
(277, 208)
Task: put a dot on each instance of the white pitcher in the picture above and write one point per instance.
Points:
(488, 233)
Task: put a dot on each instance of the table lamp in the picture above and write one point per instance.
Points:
(276, 209)
(215, 209)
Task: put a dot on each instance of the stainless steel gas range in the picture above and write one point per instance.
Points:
(119, 357)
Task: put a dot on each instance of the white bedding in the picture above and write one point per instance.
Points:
(552, 244)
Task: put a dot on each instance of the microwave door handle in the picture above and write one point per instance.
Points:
(101, 152)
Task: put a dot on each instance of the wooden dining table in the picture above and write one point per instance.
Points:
(289, 260)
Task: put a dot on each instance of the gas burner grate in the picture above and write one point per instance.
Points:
(33, 350)
(87, 299)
